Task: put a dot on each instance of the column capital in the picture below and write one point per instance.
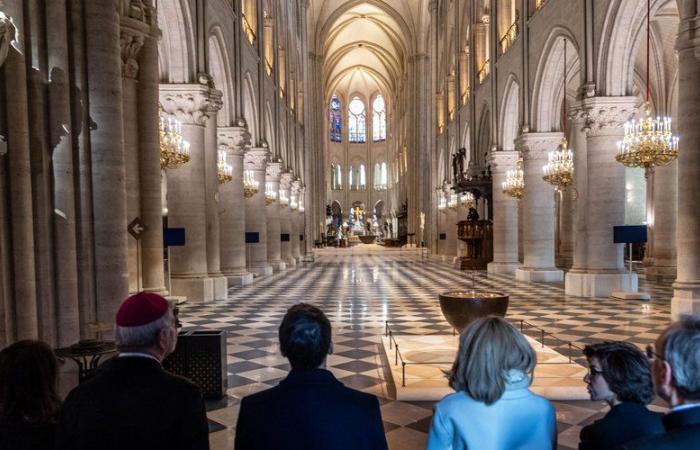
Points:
(504, 160)
(296, 185)
(191, 104)
(141, 11)
(7, 34)
(235, 140)
(273, 171)
(607, 115)
(536, 146)
(131, 40)
(286, 180)
(256, 158)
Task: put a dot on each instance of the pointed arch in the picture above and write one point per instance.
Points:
(250, 107)
(483, 142)
(509, 122)
(220, 71)
(177, 46)
(270, 136)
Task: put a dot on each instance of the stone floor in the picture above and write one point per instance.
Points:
(361, 293)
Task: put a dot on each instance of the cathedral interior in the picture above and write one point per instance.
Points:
(241, 156)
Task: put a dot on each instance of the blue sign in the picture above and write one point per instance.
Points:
(285, 237)
(173, 237)
(629, 234)
(252, 237)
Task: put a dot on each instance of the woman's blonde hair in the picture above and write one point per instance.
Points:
(488, 349)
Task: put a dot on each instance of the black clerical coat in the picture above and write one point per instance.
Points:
(682, 432)
(132, 403)
(310, 410)
(623, 423)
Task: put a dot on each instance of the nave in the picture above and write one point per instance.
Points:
(360, 293)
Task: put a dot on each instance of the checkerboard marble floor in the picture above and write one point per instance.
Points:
(360, 293)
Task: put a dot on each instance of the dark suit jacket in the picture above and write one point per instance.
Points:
(310, 410)
(682, 432)
(21, 436)
(623, 423)
(132, 403)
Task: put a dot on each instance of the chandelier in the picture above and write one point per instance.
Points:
(559, 170)
(270, 194)
(515, 181)
(467, 198)
(174, 151)
(284, 200)
(453, 202)
(250, 184)
(442, 201)
(294, 203)
(224, 171)
(648, 142)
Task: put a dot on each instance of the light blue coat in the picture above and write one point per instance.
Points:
(519, 420)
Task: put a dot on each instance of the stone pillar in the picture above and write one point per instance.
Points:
(567, 202)
(538, 210)
(505, 216)
(272, 209)
(686, 294)
(186, 197)
(22, 259)
(104, 76)
(132, 39)
(604, 270)
(296, 228)
(255, 217)
(211, 192)
(665, 199)
(152, 267)
(232, 247)
(579, 144)
(286, 219)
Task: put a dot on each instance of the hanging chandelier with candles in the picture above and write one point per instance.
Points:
(649, 141)
(224, 172)
(559, 170)
(467, 198)
(250, 184)
(174, 150)
(294, 202)
(515, 181)
(284, 199)
(270, 193)
(453, 202)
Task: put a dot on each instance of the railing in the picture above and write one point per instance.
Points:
(508, 38)
(484, 71)
(248, 30)
(524, 327)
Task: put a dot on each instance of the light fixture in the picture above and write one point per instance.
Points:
(467, 198)
(284, 200)
(453, 202)
(174, 150)
(559, 170)
(648, 142)
(294, 202)
(442, 201)
(515, 181)
(224, 171)
(270, 193)
(250, 184)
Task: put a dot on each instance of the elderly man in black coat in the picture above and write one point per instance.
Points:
(676, 371)
(132, 403)
(310, 409)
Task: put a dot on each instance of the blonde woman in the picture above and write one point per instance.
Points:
(493, 408)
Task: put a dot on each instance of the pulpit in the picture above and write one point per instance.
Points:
(478, 235)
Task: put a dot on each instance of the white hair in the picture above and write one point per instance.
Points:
(142, 336)
(682, 352)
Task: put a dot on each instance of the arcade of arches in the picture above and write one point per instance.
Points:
(311, 124)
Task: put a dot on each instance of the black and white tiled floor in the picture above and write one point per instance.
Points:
(361, 293)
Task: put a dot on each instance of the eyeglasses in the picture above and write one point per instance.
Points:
(651, 354)
(592, 371)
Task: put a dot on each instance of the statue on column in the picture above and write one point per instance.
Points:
(458, 165)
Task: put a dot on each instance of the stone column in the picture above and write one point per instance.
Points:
(604, 271)
(538, 210)
(567, 202)
(296, 229)
(232, 247)
(286, 219)
(132, 39)
(255, 217)
(104, 75)
(579, 144)
(152, 267)
(186, 196)
(665, 201)
(505, 216)
(211, 192)
(272, 209)
(686, 294)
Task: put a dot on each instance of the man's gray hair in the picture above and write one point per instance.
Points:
(143, 336)
(682, 352)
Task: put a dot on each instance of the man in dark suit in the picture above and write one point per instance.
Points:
(310, 409)
(132, 403)
(676, 371)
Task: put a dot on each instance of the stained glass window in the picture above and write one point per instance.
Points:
(336, 121)
(379, 119)
(358, 121)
